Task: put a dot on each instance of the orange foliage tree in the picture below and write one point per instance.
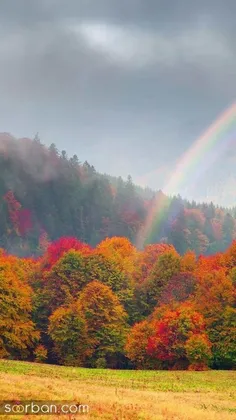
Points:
(17, 331)
(121, 252)
(136, 345)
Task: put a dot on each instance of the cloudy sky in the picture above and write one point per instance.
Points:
(128, 85)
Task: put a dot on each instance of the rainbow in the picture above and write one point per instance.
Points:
(200, 156)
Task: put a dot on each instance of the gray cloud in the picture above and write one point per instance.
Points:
(126, 85)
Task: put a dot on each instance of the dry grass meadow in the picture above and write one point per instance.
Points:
(126, 395)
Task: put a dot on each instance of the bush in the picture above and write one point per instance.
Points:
(101, 363)
(40, 354)
(198, 351)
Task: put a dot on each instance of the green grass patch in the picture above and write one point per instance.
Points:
(176, 381)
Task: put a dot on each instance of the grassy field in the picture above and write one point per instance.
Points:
(126, 395)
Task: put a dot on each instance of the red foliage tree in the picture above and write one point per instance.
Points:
(24, 221)
(20, 218)
(179, 288)
(58, 248)
(172, 333)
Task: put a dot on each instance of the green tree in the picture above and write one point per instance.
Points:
(228, 228)
(223, 336)
(57, 287)
(167, 266)
(68, 331)
(65, 280)
(105, 270)
(198, 351)
(105, 318)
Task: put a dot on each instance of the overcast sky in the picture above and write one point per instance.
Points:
(128, 85)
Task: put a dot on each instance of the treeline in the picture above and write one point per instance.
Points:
(44, 194)
(118, 307)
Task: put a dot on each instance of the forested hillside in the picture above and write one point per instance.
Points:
(45, 194)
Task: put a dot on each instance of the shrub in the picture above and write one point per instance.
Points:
(101, 363)
(40, 354)
(198, 351)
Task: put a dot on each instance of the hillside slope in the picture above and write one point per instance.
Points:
(45, 194)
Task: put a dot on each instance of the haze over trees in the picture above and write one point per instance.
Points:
(44, 195)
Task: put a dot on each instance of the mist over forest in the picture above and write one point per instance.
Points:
(45, 194)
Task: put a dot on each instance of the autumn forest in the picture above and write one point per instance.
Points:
(77, 288)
